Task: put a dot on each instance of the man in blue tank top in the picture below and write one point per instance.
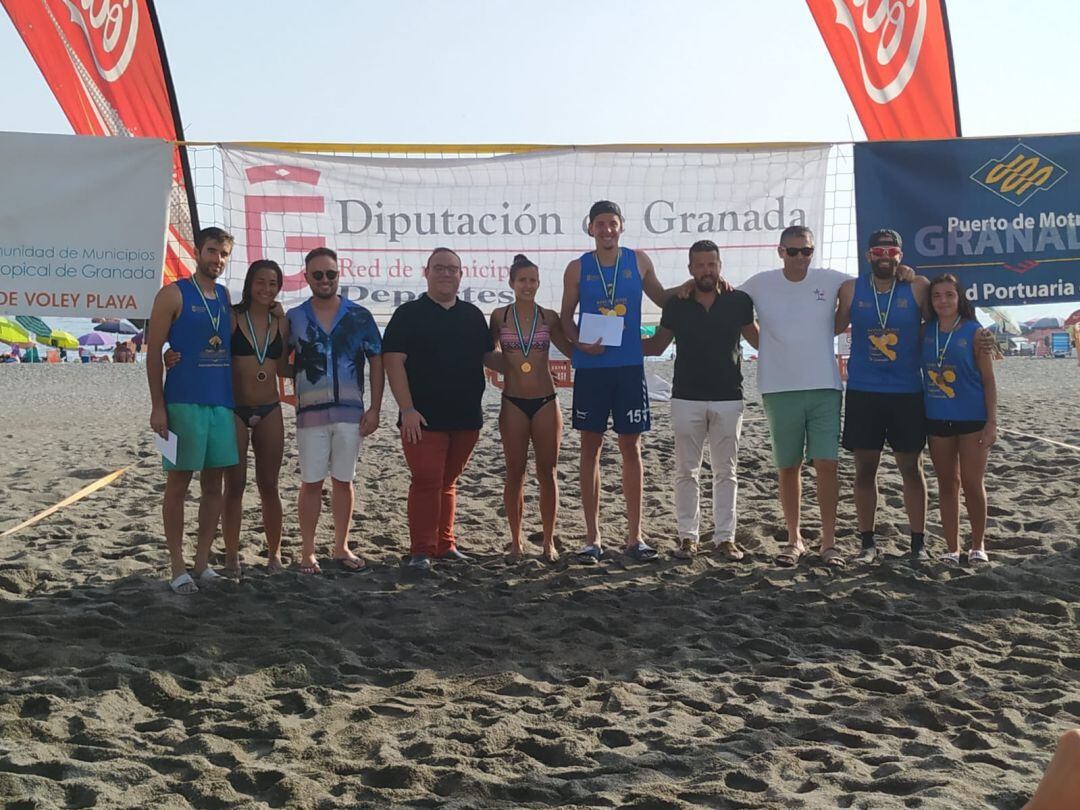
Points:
(884, 390)
(195, 401)
(609, 380)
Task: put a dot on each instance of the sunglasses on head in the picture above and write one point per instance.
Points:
(318, 275)
(890, 251)
(794, 251)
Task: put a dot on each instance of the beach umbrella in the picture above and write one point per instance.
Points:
(13, 334)
(97, 339)
(119, 327)
(1073, 319)
(35, 326)
(1048, 322)
(60, 339)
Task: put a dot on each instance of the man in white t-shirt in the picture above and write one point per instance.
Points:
(799, 381)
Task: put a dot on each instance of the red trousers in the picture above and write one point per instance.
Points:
(435, 461)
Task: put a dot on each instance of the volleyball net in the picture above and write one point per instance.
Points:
(383, 208)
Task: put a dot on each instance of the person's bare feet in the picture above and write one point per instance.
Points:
(514, 552)
(550, 554)
(274, 565)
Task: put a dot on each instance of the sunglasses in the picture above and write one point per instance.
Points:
(882, 252)
(805, 251)
(318, 275)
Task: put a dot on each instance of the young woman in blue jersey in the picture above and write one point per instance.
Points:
(961, 413)
(530, 407)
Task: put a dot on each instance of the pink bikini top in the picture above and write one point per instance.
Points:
(508, 335)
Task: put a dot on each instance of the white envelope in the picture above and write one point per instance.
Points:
(167, 447)
(608, 329)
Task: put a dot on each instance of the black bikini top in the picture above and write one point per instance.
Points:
(241, 347)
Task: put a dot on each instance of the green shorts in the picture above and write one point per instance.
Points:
(803, 424)
(205, 437)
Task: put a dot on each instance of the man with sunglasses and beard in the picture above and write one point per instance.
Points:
(884, 390)
(331, 337)
(799, 382)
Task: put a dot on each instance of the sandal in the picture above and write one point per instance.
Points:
(729, 551)
(184, 585)
(833, 558)
(952, 559)
(590, 555)
(688, 548)
(789, 555)
(642, 552)
(978, 556)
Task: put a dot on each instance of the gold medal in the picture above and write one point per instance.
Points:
(215, 342)
(526, 367)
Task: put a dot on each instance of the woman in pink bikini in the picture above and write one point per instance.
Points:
(530, 406)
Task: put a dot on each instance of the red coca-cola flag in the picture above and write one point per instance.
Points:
(105, 62)
(895, 59)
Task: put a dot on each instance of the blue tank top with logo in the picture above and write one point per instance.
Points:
(885, 358)
(595, 296)
(952, 385)
(204, 374)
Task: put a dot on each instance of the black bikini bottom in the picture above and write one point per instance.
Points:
(529, 407)
(251, 415)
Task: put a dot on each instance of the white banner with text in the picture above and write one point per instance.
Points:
(383, 216)
(82, 224)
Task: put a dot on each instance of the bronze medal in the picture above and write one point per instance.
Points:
(261, 376)
(526, 367)
(215, 342)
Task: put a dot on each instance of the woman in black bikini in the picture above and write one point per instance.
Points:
(259, 335)
(530, 407)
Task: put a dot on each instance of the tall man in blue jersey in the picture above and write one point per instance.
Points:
(609, 381)
(884, 391)
(195, 402)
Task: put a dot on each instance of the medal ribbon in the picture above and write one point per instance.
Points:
(937, 342)
(883, 318)
(215, 320)
(609, 291)
(526, 347)
(259, 355)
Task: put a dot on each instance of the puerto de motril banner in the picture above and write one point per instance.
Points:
(1001, 214)
(384, 216)
(82, 224)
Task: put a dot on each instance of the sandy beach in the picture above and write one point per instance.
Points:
(655, 686)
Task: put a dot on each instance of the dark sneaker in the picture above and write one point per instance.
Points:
(453, 555)
(868, 555)
(920, 555)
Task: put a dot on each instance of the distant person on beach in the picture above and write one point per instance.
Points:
(530, 407)
(707, 395)
(195, 402)
(960, 396)
(332, 337)
(259, 332)
(609, 380)
(884, 400)
(799, 380)
(435, 349)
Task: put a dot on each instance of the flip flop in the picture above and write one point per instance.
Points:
(642, 552)
(590, 555)
(351, 565)
(789, 556)
(977, 556)
(952, 559)
(833, 558)
(209, 575)
(184, 585)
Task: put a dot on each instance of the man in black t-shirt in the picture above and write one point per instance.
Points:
(707, 397)
(434, 352)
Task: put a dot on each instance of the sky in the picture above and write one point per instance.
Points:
(559, 72)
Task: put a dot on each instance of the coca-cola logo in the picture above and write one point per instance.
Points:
(111, 29)
(888, 36)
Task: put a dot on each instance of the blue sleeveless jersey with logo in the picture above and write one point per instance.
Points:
(952, 390)
(884, 360)
(204, 374)
(594, 298)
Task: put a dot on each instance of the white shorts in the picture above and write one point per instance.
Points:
(328, 450)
